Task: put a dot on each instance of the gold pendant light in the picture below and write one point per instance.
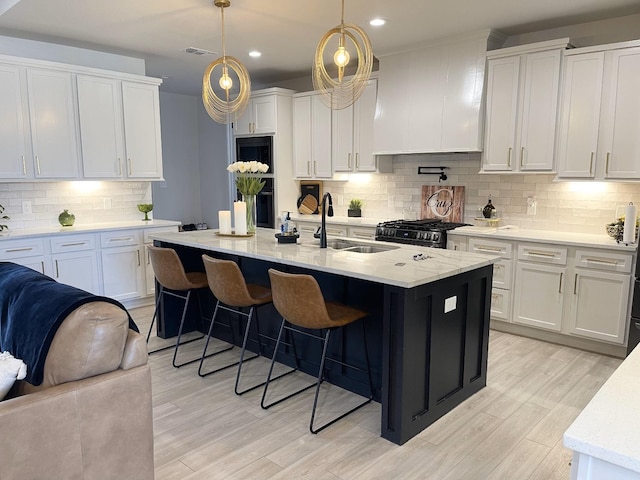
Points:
(230, 105)
(338, 93)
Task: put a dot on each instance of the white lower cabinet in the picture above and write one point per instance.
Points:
(539, 295)
(122, 268)
(78, 269)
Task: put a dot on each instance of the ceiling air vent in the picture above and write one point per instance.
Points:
(198, 51)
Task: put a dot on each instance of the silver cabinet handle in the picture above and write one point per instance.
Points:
(138, 252)
(509, 157)
(532, 253)
(38, 164)
(606, 166)
(74, 244)
(521, 157)
(57, 272)
(591, 163)
(24, 249)
(315, 167)
(560, 284)
(575, 284)
(362, 235)
(601, 262)
(120, 239)
(308, 167)
(357, 161)
(488, 249)
(349, 160)
(24, 166)
(129, 162)
(119, 166)
(148, 257)
(42, 266)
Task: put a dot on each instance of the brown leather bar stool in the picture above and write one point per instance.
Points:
(232, 292)
(170, 274)
(310, 311)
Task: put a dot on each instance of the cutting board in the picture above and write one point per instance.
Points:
(445, 203)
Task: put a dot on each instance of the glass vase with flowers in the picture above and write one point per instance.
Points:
(249, 183)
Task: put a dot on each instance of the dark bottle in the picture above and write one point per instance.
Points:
(488, 209)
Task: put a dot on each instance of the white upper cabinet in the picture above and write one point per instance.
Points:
(600, 116)
(259, 117)
(352, 134)
(101, 138)
(522, 104)
(13, 142)
(53, 127)
(311, 137)
(429, 99)
(143, 143)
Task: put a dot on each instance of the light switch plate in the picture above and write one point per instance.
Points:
(531, 205)
(107, 203)
(450, 304)
(26, 207)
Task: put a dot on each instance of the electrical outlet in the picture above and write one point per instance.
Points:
(340, 200)
(107, 203)
(26, 207)
(531, 205)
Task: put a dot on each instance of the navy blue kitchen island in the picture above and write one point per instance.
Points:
(428, 326)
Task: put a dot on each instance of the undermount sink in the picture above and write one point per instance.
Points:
(369, 249)
(341, 244)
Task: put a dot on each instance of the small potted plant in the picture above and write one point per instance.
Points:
(355, 208)
(3, 217)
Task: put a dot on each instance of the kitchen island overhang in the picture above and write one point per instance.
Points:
(429, 319)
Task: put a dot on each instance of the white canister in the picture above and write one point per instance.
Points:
(629, 232)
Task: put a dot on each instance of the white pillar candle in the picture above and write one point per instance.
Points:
(240, 217)
(224, 221)
(629, 232)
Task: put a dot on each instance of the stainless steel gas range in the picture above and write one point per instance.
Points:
(426, 233)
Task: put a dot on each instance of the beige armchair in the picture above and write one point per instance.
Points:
(91, 418)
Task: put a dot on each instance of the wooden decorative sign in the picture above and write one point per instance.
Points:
(444, 203)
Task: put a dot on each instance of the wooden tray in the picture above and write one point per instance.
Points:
(233, 234)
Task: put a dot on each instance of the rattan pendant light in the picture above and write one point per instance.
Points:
(341, 92)
(229, 105)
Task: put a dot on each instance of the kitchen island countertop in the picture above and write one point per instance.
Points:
(393, 267)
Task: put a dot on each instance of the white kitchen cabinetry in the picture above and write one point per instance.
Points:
(352, 134)
(540, 279)
(600, 114)
(600, 295)
(261, 114)
(122, 267)
(522, 103)
(141, 108)
(150, 278)
(456, 242)
(502, 274)
(429, 99)
(75, 262)
(13, 139)
(311, 137)
(28, 252)
(53, 128)
(367, 233)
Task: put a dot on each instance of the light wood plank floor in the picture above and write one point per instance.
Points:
(512, 429)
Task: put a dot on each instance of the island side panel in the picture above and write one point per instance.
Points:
(432, 359)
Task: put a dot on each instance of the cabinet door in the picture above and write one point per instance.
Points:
(264, 114)
(342, 139)
(321, 138)
(539, 295)
(244, 123)
(364, 114)
(620, 140)
(502, 105)
(53, 127)
(142, 130)
(13, 163)
(368, 233)
(580, 115)
(100, 116)
(78, 269)
(599, 305)
(539, 110)
(302, 126)
(122, 273)
(500, 303)
(34, 263)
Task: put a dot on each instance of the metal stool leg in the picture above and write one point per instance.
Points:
(204, 352)
(184, 315)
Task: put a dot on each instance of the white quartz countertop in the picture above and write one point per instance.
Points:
(544, 236)
(85, 228)
(335, 220)
(394, 267)
(609, 426)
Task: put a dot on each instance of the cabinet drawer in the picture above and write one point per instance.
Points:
(10, 249)
(307, 227)
(337, 230)
(502, 273)
(363, 232)
(500, 303)
(153, 231)
(542, 254)
(119, 238)
(73, 243)
(608, 261)
(494, 247)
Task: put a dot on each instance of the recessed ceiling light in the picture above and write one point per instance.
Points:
(377, 22)
(255, 54)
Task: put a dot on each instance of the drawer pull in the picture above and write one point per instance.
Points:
(24, 249)
(598, 261)
(120, 239)
(532, 253)
(560, 283)
(483, 248)
(74, 244)
(334, 232)
(362, 235)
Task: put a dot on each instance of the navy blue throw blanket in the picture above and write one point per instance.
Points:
(32, 307)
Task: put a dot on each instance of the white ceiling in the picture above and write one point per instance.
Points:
(285, 31)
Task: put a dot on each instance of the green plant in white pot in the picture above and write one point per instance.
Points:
(3, 217)
(355, 208)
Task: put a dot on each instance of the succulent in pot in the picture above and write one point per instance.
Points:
(355, 208)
